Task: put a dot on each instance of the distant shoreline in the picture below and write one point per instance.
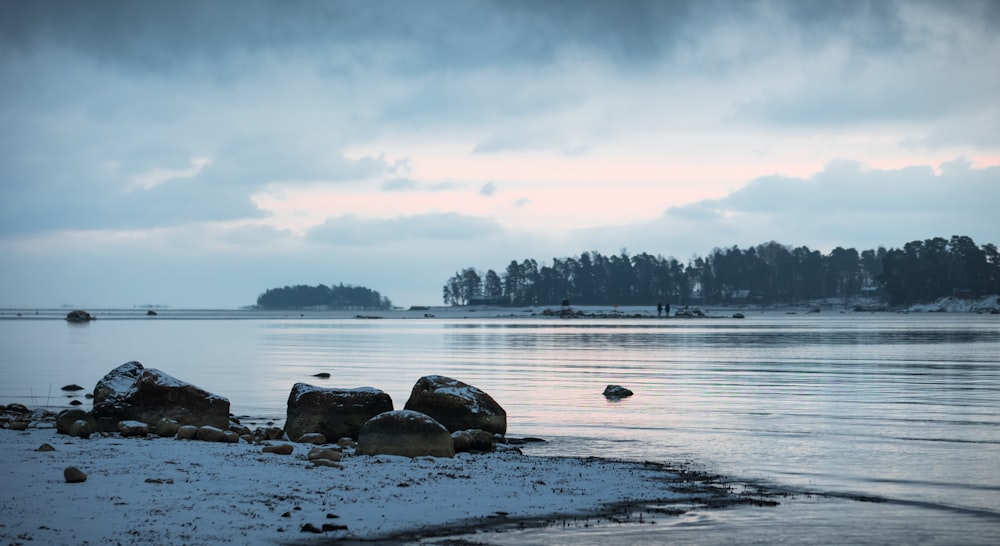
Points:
(982, 305)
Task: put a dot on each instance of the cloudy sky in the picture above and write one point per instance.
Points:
(194, 154)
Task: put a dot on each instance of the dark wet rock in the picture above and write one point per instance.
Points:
(406, 433)
(322, 375)
(310, 528)
(79, 315)
(73, 474)
(327, 527)
(616, 392)
(150, 313)
(17, 409)
(19, 425)
(240, 430)
(76, 403)
(456, 405)
(131, 392)
(66, 418)
(72, 388)
(45, 448)
(332, 412)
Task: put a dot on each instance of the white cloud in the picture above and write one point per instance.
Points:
(148, 180)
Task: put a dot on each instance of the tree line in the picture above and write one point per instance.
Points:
(322, 296)
(766, 274)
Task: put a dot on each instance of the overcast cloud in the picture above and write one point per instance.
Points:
(197, 153)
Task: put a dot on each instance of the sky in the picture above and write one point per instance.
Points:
(195, 154)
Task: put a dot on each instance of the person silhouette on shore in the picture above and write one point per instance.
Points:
(659, 309)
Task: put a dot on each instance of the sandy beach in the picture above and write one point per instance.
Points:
(168, 491)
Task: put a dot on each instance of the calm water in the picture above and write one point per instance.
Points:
(902, 407)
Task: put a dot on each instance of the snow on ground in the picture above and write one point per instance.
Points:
(959, 305)
(167, 491)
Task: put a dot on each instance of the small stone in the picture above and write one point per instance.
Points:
(76, 403)
(327, 527)
(310, 528)
(73, 474)
(282, 449)
(323, 453)
(19, 425)
(314, 438)
(347, 443)
(81, 429)
(133, 428)
(73, 387)
(187, 432)
(322, 375)
(45, 447)
(274, 433)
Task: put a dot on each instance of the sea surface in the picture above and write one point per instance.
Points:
(883, 428)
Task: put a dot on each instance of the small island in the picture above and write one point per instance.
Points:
(322, 297)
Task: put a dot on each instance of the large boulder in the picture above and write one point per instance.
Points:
(332, 412)
(117, 382)
(131, 392)
(405, 433)
(456, 405)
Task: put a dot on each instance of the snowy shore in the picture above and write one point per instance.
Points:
(168, 491)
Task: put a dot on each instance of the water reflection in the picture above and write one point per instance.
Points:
(902, 407)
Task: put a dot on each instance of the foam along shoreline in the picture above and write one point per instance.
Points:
(168, 491)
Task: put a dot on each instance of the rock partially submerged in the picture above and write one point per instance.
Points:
(456, 405)
(616, 392)
(79, 315)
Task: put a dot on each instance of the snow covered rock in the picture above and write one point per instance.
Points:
(131, 392)
(133, 428)
(456, 405)
(332, 412)
(117, 382)
(405, 433)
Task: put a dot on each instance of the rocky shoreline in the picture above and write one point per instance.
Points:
(168, 491)
(160, 460)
